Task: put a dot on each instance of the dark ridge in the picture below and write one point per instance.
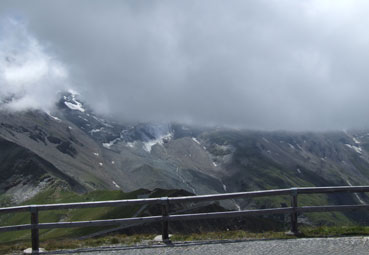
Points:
(17, 161)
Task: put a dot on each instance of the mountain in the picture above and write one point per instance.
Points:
(76, 149)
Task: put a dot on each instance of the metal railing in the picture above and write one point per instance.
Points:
(165, 218)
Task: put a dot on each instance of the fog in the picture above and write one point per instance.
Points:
(263, 64)
(29, 77)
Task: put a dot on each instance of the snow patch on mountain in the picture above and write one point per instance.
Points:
(355, 148)
(102, 121)
(51, 116)
(77, 106)
(185, 182)
(115, 184)
(298, 146)
(355, 140)
(265, 140)
(131, 145)
(237, 206)
(224, 187)
(107, 145)
(356, 195)
(74, 104)
(147, 146)
(96, 130)
(84, 119)
(111, 143)
(195, 140)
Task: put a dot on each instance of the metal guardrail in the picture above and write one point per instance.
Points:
(165, 218)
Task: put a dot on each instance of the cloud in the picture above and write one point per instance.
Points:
(266, 64)
(30, 77)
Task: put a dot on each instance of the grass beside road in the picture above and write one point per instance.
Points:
(306, 232)
(121, 239)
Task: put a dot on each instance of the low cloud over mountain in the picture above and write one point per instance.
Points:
(30, 76)
(296, 65)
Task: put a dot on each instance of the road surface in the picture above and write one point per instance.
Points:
(316, 246)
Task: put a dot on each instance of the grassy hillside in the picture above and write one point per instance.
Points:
(251, 227)
(59, 195)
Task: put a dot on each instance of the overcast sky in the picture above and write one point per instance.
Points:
(261, 64)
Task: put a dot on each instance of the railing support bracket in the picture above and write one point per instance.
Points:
(294, 205)
(34, 230)
(165, 223)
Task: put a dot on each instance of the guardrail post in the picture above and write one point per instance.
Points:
(165, 223)
(34, 230)
(294, 229)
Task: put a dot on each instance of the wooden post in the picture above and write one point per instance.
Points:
(34, 230)
(294, 228)
(165, 223)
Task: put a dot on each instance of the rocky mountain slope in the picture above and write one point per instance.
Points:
(84, 151)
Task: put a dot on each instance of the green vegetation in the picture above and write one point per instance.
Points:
(67, 238)
(122, 239)
(62, 196)
(306, 232)
(69, 243)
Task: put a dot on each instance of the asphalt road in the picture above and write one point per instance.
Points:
(316, 246)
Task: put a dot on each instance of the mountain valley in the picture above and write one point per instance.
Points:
(74, 149)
